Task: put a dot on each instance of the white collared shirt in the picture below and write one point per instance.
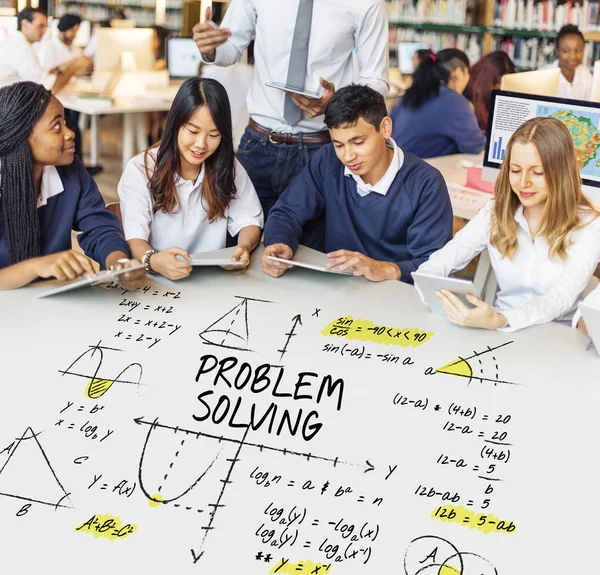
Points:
(51, 185)
(18, 63)
(383, 185)
(337, 28)
(53, 52)
(581, 86)
(534, 289)
(189, 227)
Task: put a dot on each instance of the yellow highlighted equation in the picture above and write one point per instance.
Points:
(484, 522)
(448, 570)
(287, 568)
(106, 526)
(365, 330)
(97, 387)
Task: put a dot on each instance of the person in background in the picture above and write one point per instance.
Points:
(485, 77)
(155, 120)
(185, 194)
(18, 61)
(59, 50)
(433, 118)
(304, 43)
(45, 193)
(542, 235)
(385, 210)
(421, 55)
(575, 80)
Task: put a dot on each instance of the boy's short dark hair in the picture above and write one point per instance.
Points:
(353, 102)
(28, 14)
(568, 30)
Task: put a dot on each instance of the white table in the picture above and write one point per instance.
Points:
(383, 461)
(132, 108)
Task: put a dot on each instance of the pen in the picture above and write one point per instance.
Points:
(589, 345)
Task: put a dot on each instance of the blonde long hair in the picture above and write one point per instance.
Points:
(565, 199)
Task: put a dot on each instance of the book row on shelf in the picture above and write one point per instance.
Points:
(433, 11)
(147, 4)
(533, 53)
(140, 16)
(470, 44)
(547, 15)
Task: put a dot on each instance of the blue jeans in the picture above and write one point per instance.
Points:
(271, 167)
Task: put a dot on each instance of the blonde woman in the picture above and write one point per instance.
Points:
(542, 234)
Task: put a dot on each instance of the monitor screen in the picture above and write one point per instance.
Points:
(510, 109)
(183, 57)
(406, 51)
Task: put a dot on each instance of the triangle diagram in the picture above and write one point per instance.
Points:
(28, 475)
(231, 330)
(459, 367)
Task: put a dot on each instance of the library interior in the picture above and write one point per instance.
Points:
(266, 198)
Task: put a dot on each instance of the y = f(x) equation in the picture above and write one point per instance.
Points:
(241, 443)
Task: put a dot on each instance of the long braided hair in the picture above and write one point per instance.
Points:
(21, 106)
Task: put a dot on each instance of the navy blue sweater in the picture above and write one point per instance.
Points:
(79, 207)
(408, 224)
(442, 126)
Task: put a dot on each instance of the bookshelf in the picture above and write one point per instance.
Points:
(142, 12)
(525, 29)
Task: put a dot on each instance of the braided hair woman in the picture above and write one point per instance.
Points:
(45, 194)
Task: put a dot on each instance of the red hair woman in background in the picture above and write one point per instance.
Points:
(485, 77)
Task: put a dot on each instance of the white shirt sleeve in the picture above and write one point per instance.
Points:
(244, 210)
(240, 18)
(136, 203)
(463, 247)
(29, 68)
(46, 55)
(583, 257)
(372, 48)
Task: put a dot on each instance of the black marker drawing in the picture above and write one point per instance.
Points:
(98, 386)
(231, 330)
(431, 555)
(472, 367)
(28, 475)
(296, 321)
(205, 467)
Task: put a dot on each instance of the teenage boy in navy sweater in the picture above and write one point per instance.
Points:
(385, 211)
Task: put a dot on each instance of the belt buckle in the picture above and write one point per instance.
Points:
(273, 132)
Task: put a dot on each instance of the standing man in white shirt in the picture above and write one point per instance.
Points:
(307, 44)
(18, 61)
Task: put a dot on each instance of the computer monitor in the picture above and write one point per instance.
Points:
(183, 57)
(508, 110)
(541, 82)
(8, 24)
(406, 52)
(112, 43)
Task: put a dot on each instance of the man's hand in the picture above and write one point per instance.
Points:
(208, 36)
(83, 66)
(272, 268)
(312, 107)
(373, 270)
(240, 254)
(482, 315)
(173, 263)
(63, 266)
